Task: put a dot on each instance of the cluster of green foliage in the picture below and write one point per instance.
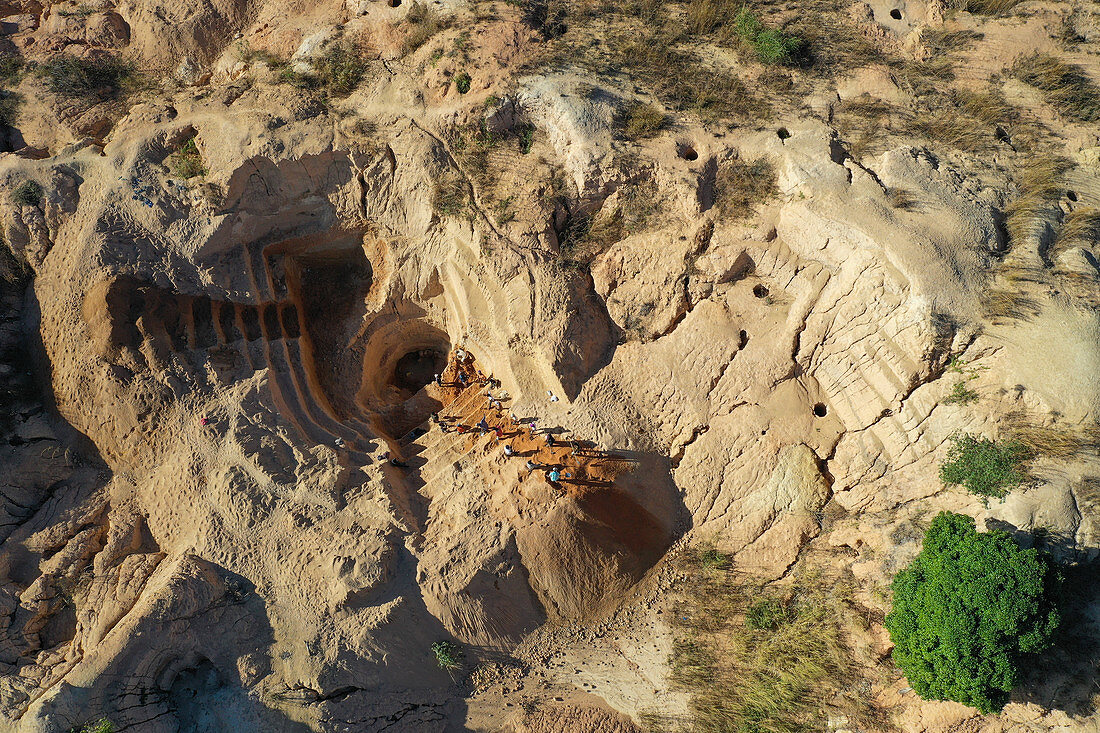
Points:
(186, 162)
(448, 655)
(103, 725)
(27, 193)
(985, 467)
(95, 78)
(767, 614)
(462, 82)
(968, 610)
(961, 394)
(772, 46)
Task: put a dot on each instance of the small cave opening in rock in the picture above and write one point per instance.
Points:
(783, 133)
(760, 291)
(416, 369)
(895, 14)
(687, 152)
(399, 362)
(742, 339)
(820, 410)
(395, 3)
(1072, 196)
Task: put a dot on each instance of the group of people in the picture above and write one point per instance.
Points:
(502, 426)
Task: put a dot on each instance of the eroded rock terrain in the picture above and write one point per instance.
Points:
(206, 371)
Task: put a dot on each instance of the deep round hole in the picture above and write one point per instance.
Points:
(687, 152)
(760, 291)
(395, 3)
(416, 369)
(1071, 195)
(895, 14)
(783, 133)
(820, 410)
(743, 339)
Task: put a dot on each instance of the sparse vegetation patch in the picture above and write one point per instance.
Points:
(739, 187)
(763, 660)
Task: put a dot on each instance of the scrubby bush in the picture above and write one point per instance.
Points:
(967, 611)
(448, 655)
(334, 73)
(462, 82)
(27, 193)
(187, 162)
(985, 467)
(98, 77)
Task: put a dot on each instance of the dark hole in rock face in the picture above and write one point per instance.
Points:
(820, 410)
(743, 339)
(895, 14)
(783, 133)
(1071, 195)
(760, 291)
(687, 152)
(418, 368)
(395, 3)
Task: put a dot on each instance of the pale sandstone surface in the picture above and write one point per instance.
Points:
(771, 385)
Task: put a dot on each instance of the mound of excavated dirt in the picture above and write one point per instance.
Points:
(466, 354)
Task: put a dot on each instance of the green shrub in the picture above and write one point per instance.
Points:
(9, 107)
(11, 69)
(187, 161)
(966, 612)
(985, 467)
(772, 46)
(448, 655)
(98, 77)
(340, 69)
(711, 559)
(27, 193)
(462, 82)
(335, 73)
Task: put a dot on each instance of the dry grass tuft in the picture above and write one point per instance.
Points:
(985, 7)
(1066, 87)
(642, 120)
(424, 22)
(739, 187)
(1054, 441)
(1000, 304)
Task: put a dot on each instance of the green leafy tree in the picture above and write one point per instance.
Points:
(967, 611)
